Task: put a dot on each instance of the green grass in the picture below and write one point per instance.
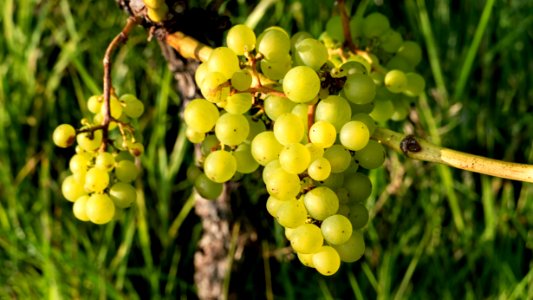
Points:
(436, 232)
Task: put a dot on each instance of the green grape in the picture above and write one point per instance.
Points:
(354, 135)
(358, 215)
(322, 134)
(241, 80)
(273, 204)
(115, 107)
(105, 161)
(246, 163)
(306, 238)
(126, 171)
(298, 37)
(349, 68)
(291, 213)
(209, 144)
(378, 78)
(294, 158)
(326, 261)
(94, 103)
(358, 185)
(359, 88)
(200, 115)
(100, 208)
(399, 63)
(302, 111)
(288, 129)
(241, 39)
(276, 69)
(391, 41)
(363, 108)
(192, 172)
(338, 157)
(321, 202)
(207, 188)
(411, 52)
(372, 156)
(336, 229)
(274, 43)
(395, 81)
(315, 151)
(282, 185)
(301, 84)
(334, 29)
(365, 118)
(194, 136)
(415, 84)
(375, 25)
(89, 141)
(353, 249)
(335, 110)
(335, 180)
(383, 110)
(356, 27)
(136, 149)
(200, 73)
(256, 127)
(306, 259)
(123, 194)
(311, 53)
(124, 155)
(223, 60)
(133, 107)
(96, 180)
(270, 169)
(231, 129)
(265, 147)
(275, 106)
(220, 166)
(211, 87)
(79, 163)
(344, 198)
(80, 208)
(72, 189)
(319, 169)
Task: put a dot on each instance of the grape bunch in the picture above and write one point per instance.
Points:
(303, 111)
(103, 168)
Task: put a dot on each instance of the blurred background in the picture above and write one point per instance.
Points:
(434, 232)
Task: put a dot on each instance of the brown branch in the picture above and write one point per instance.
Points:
(346, 26)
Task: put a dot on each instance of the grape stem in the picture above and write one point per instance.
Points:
(108, 86)
(346, 26)
(412, 147)
(420, 149)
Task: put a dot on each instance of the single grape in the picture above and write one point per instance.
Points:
(319, 169)
(395, 81)
(241, 39)
(375, 25)
(126, 171)
(306, 259)
(301, 84)
(246, 163)
(306, 238)
(273, 204)
(383, 110)
(200, 115)
(89, 141)
(223, 60)
(123, 194)
(96, 180)
(212, 89)
(283, 185)
(80, 208)
(241, 80)
(269, 169)
(133, 107)
(321, 202)
(415, 84)
(72, 189)
(136, 149)
(334, 28)
(354, 135)
(371, 156)
(94, 103)
(335, 110)
(220, 166)
(265, 147)
(315, 151)
(100, 208)
(105, 161)
(411, 52)
(339, 158)
(273, 43)
(353, 249)
(359, 88)
(288, 129)
(322, 134)
(256, 127)
(365, 118)
(391, 41)
(334, 181)
(291, 213)
(358, 215)
(194, 136)
(207, 188)
(358, 185)
(311, 53)
(231, 129)
(326, 260)
(294, 158)
(275, 106)
(276, 69)
(336, 229)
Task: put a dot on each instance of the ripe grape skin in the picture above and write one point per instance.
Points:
(319, 169)
(200, 115)
(353, 249)
(336, 229)
(395, 81)
(80, 208)
(220, 166)
(372, 156)
(276, 106)
(96, 179)
(282, 184)
(207, 188)
(64, 135)
(354, 135)
(306, 238)
(326, 260)
(90, 141)
(322, 134)
(123, 194)
(321, 202)
(301, 84)
(294, 158)
(224, 61)
(288, 129)
(241, 39)
(231, 129)
(265, 147)
(338, 157)
(291, 213)
(72, 189)
(246, 163)
(335, 110)
(100, 208)
(126, 171)
(311, 53)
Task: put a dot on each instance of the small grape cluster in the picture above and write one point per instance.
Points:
(304, 109)
(103, 167)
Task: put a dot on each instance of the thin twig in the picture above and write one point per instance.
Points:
(346, 26)
(120, 38)
(420, 149)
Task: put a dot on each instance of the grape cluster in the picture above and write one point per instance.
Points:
(304, 110)
(103, 168)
